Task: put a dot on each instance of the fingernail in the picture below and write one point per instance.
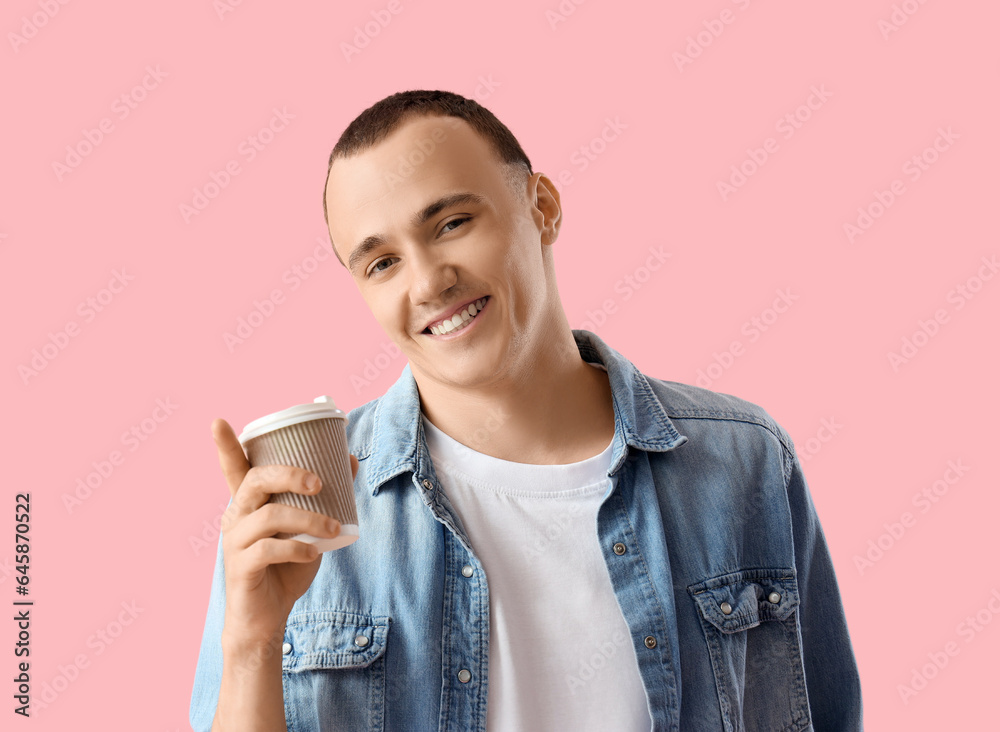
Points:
(332, 525)
(313, 483)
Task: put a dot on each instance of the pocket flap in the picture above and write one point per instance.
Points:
(742, 600)
(333, 639)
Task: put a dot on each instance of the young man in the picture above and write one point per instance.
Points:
(551, 540)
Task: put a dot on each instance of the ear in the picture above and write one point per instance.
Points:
(546, 207)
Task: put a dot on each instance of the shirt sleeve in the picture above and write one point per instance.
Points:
(208, 673)
(831, 672)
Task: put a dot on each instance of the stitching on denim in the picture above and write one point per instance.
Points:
(739, 576)
(770, 426)
(659, 614)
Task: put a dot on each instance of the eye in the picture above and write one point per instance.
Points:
(377, 267)
(445, 230)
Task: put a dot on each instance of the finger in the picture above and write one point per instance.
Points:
(275, 518)
(264, 480)
(354, 467)
(277, 551)
(232, 459)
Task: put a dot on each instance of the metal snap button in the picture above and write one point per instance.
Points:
(464, 676)
(361, 641)
(618, 548)
(726, 608)
(426, 484)
(467, 570)
(286, 648)
(650, 641)
(774, 597)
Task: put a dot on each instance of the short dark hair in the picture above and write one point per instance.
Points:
(378, 121)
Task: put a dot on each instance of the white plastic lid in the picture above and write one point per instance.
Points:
(321, 408)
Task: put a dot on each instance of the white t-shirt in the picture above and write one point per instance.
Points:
(560, 656)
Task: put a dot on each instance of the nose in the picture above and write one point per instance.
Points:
(430, 276)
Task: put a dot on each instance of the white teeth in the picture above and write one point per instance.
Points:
(460, 319)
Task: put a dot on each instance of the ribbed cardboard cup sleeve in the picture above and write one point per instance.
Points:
(319, 445)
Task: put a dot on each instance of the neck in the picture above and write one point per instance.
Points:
(556, 410)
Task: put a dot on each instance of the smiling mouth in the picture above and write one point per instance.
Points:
(459, 320)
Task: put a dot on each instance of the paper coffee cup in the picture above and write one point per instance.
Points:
(314, 437)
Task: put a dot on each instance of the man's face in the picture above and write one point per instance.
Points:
(417, 266)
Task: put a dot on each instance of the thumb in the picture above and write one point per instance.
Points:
(232, 459)
(354, 467)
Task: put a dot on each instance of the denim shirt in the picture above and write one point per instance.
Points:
(710, 537)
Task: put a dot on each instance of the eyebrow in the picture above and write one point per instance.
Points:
(418, 219)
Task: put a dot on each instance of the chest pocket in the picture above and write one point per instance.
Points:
(752, 630)
(333, 671)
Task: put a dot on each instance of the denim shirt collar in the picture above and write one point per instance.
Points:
(396, 443)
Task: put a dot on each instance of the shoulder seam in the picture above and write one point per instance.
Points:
(787, 451)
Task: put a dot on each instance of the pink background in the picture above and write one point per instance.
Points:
(872, 437)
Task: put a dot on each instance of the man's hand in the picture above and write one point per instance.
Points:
(265, 575)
